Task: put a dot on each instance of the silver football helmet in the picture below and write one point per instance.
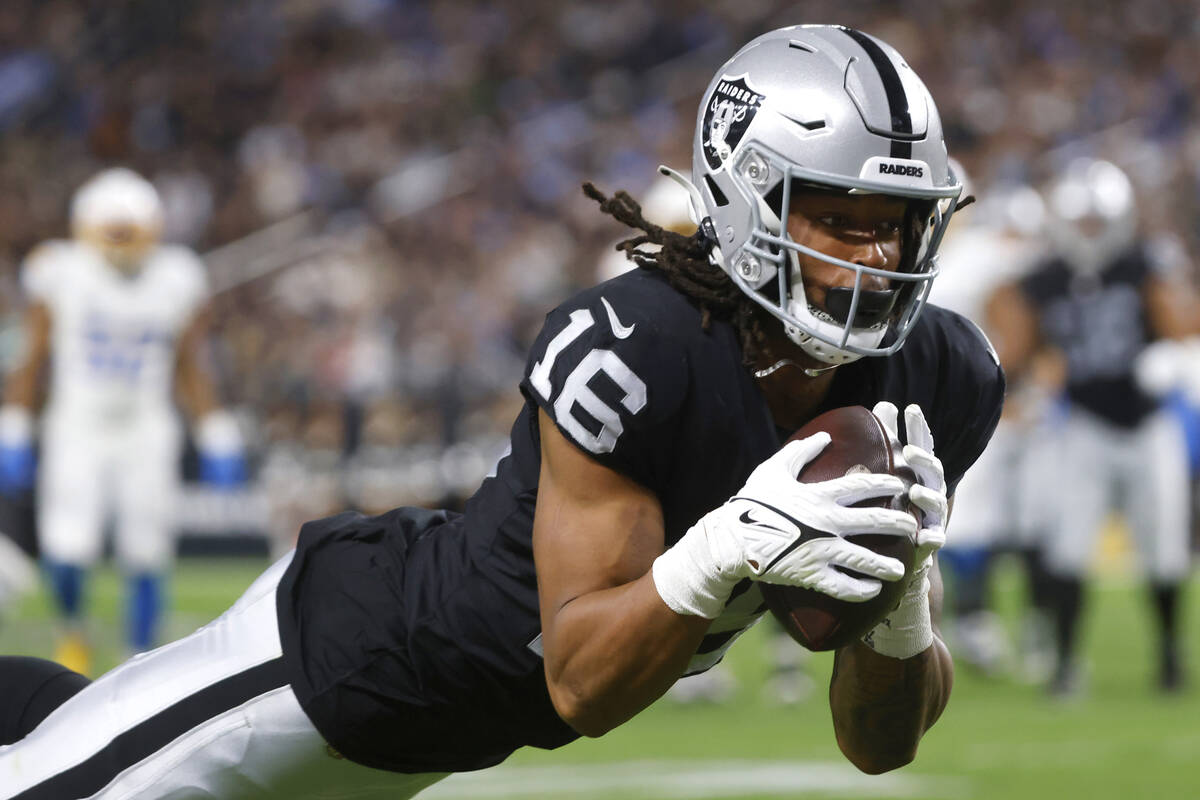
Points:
(1093, 213)
(832, 108)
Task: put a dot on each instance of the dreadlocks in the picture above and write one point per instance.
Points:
(683, 260)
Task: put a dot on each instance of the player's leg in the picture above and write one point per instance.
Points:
(70, 526)
(1083, 501)
(147, 491)
(33, 687)
(209, 716)
(1159, 507)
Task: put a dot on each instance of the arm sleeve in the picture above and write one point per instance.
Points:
(40, 272)
(614, 385)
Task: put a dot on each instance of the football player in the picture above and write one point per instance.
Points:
(1097, 303)
(622, 541)
(117, 319)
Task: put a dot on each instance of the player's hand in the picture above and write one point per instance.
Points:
(222, 459)
(779, 530)
(17, 456)
(928, 494)
(908, 629)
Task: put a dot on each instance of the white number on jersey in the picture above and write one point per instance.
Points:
(576, 393)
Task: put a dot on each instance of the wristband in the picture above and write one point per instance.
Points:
(688, 578)
(908, 630)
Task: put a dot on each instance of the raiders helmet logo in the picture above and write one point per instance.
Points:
(727, 114)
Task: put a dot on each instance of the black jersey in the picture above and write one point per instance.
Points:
(413, 639)
(1100, 325)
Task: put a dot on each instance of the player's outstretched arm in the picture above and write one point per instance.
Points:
(611, 646)
(621, 618)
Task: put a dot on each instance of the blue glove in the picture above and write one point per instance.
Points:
(17, 459)
(221, 451)
(223, 471)
(17, 468)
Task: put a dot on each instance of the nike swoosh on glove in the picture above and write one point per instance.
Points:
(779, 530)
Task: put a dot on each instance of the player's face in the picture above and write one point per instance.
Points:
(123, 244)
(862, 229)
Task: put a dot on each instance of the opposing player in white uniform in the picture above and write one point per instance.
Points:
(118, 319)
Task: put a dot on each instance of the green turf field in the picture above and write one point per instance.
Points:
(998, 739)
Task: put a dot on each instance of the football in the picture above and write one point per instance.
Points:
(860, 443)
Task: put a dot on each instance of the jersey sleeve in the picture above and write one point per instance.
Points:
(190, 278)
(614, 382)
(42, 272)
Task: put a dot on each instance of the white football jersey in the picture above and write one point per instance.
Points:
(113, 336)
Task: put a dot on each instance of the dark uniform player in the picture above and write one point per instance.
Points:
(618, 545)
(1099, 302)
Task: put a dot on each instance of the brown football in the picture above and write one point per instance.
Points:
(859, 443)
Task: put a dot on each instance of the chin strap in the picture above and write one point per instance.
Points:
(787, 362)
(778, 365)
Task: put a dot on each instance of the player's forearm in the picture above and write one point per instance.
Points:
(882, 706)
(610, 654)
(20, 387)
(195, 388)
(22, 383)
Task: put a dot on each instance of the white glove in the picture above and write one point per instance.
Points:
(908, 630)
(779, 530)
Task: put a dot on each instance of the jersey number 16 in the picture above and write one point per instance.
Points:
(576, 394)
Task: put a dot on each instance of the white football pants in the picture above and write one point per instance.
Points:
(209, 717)
(129, 473)
(1141, 472)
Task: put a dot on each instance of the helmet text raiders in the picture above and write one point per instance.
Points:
(826, 108)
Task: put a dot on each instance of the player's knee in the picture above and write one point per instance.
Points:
(33, 687)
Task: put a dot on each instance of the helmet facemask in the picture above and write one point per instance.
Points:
(120, 214)
(124, 244)
(855, 320)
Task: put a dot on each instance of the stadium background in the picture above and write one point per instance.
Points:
(387, 196)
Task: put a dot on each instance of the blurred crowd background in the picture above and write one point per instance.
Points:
(387, 192)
